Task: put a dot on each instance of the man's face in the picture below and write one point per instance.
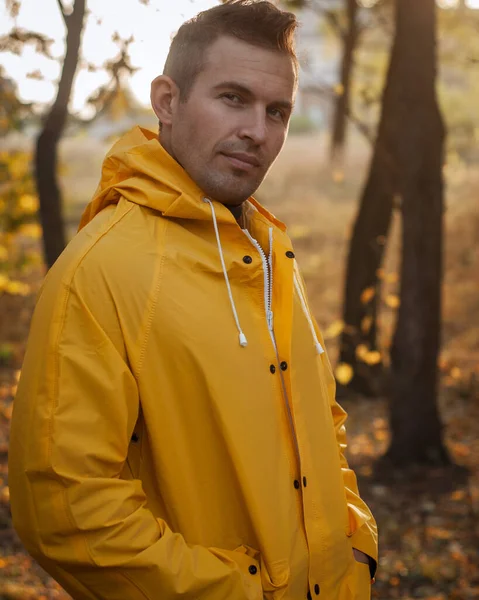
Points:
(234, 123)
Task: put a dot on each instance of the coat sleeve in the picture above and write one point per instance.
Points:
(74, 414)
(362, 525)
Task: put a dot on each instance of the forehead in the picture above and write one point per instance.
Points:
(262, 70)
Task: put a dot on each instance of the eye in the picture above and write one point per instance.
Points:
(234, 98)
(277, 114)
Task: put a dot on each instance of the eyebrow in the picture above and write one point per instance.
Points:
(238, 87)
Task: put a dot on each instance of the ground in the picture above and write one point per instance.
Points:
(428, 520)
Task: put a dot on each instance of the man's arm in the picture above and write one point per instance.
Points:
(74, 415)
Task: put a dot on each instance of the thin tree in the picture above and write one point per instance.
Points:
(419, 151)
(349, 36)
(46, 154)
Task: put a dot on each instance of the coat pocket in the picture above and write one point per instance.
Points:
(359, 582)
(275, 578)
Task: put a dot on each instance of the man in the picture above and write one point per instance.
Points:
(175, 432)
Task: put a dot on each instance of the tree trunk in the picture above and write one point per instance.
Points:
(415, 424)
(342, 105)
(367, 247)
(365, 258)
(47, 143)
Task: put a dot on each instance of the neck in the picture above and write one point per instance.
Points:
(236, 211)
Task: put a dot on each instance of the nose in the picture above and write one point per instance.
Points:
(254, 127)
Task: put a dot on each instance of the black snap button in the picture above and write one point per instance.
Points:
(272, 368)
(290, 254)
(309, 597)
(296, 484)
(284, 365)
(305, 481)
(247, 259)
(134, 437)
(316, 589)
(252, 569)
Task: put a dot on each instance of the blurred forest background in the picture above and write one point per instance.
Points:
(379, 186)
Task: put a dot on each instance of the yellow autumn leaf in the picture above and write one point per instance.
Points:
(344, 373)
(361, 351)
(392, 278)
(28, 203)
(455, 373)
(18, 166)
(32, 230)
(17, 288)
(5, 495)
(3, 253)
(392, 301)
(3, 281)
(336, 328)
(372, 358)
(381, 435)
(366, 324)
(367, 295)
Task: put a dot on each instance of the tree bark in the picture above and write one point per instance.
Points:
(415, 424)
(365, 257)
(407, 164)
(342, 106)
(46, 155)
(368, 244)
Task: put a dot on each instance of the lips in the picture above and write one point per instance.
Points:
(242, 160)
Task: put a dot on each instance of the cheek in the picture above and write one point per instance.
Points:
(277, 142)
(211, 125)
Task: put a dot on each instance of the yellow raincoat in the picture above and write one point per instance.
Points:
(175, 433)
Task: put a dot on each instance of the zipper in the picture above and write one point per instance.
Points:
(268, 304)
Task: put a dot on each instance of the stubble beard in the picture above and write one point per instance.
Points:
(230, 188)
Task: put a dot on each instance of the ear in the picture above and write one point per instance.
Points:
(164, 98)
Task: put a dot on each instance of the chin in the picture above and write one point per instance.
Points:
(232, 198)
(229, 189)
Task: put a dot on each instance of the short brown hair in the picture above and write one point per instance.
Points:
(257, 22)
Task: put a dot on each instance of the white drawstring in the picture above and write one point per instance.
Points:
(307, 314)
(242, 338)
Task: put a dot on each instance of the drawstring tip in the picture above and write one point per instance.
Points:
(319, 348)
(242, 340)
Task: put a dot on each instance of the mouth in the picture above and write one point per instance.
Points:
(242, 161)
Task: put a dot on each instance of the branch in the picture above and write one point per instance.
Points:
(65, 16)
(366, 130)
(15, 40)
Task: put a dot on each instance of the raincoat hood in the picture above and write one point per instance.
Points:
(140, 170)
